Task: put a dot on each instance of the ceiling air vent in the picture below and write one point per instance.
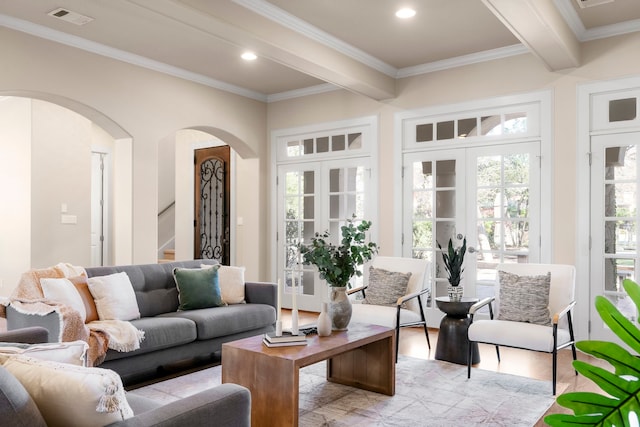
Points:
(70, 16)
(589, 3)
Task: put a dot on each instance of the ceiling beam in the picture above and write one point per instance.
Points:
(242, 27)
(539, 25)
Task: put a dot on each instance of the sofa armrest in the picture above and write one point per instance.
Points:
(261, 293)
(51, 322)
(224, 405)
(30, 335)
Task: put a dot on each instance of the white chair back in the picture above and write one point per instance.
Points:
(420, 270)
(563, 280)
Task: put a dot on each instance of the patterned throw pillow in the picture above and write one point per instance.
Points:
(524, 298)
(385, 287)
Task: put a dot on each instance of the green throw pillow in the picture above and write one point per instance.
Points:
(198, 288)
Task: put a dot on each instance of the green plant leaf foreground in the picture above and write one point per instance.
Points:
(622, 406)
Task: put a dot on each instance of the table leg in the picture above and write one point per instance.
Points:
(273, 382)
(453, 341)
(370, 367)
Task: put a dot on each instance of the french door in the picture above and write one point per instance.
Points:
(315, 197)
(488, 194)
(614, 224)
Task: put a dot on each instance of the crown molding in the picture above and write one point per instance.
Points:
(296, 24)
(573, 20)
(120, 55)
(459, 61)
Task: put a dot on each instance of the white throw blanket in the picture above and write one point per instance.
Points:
(123, 336)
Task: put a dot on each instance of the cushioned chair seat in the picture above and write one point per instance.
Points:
(383, 315)
(159, 333)
(221, 321)
(517, 334)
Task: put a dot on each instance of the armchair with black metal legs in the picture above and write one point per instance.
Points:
(524, 281)
(405, 309)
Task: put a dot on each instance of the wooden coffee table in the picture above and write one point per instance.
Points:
(363, 357)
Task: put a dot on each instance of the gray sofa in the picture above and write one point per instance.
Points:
(227, 404)
(170, 335)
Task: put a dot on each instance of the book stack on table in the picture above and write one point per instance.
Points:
(286, 339)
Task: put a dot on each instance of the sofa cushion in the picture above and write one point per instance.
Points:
(159, 333)
(82, 285)
(16, 406)
(198, 287)
(96, 396)
(72, 352)
(221, 321)
(231, 280)
(524, 298)
(114, 297)
(63, 291)
(385, 287)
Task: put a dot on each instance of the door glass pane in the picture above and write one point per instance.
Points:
(433, 216)
(299, 223)
(620, 219)
(502, 205)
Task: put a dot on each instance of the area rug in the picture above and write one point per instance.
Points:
(428, 393)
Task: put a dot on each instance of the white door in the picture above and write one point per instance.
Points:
(489, 194)
(316, 197)
(614, 219)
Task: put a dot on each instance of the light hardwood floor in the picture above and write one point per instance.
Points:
(517, 362)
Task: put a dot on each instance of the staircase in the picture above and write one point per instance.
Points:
(169, 255)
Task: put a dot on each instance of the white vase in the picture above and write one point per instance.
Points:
(455, 292)
(324, 322)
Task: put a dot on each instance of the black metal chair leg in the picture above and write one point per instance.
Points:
(469, 357)
(555, 363)
(397, 341)
(426, 333)
(498, 353)
(424, 321)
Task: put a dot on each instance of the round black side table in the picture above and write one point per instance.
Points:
(452, 337)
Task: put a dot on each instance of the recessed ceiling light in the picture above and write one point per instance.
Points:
(249, 56)
(405, 13)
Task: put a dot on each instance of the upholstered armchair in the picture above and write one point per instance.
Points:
(394, 294)
(531, 310)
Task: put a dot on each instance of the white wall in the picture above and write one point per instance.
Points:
(61, 174)
(15, 194)
(131, 102)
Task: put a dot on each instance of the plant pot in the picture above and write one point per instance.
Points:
(339, 308)
(455, 292)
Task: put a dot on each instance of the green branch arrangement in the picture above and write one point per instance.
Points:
(622, 405)
(338, 264)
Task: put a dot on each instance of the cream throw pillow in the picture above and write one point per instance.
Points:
(231, 281)
(65, 292)
(70, 396)
(114, 297)
(72, 352)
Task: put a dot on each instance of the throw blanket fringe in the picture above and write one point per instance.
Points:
(123, 336)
